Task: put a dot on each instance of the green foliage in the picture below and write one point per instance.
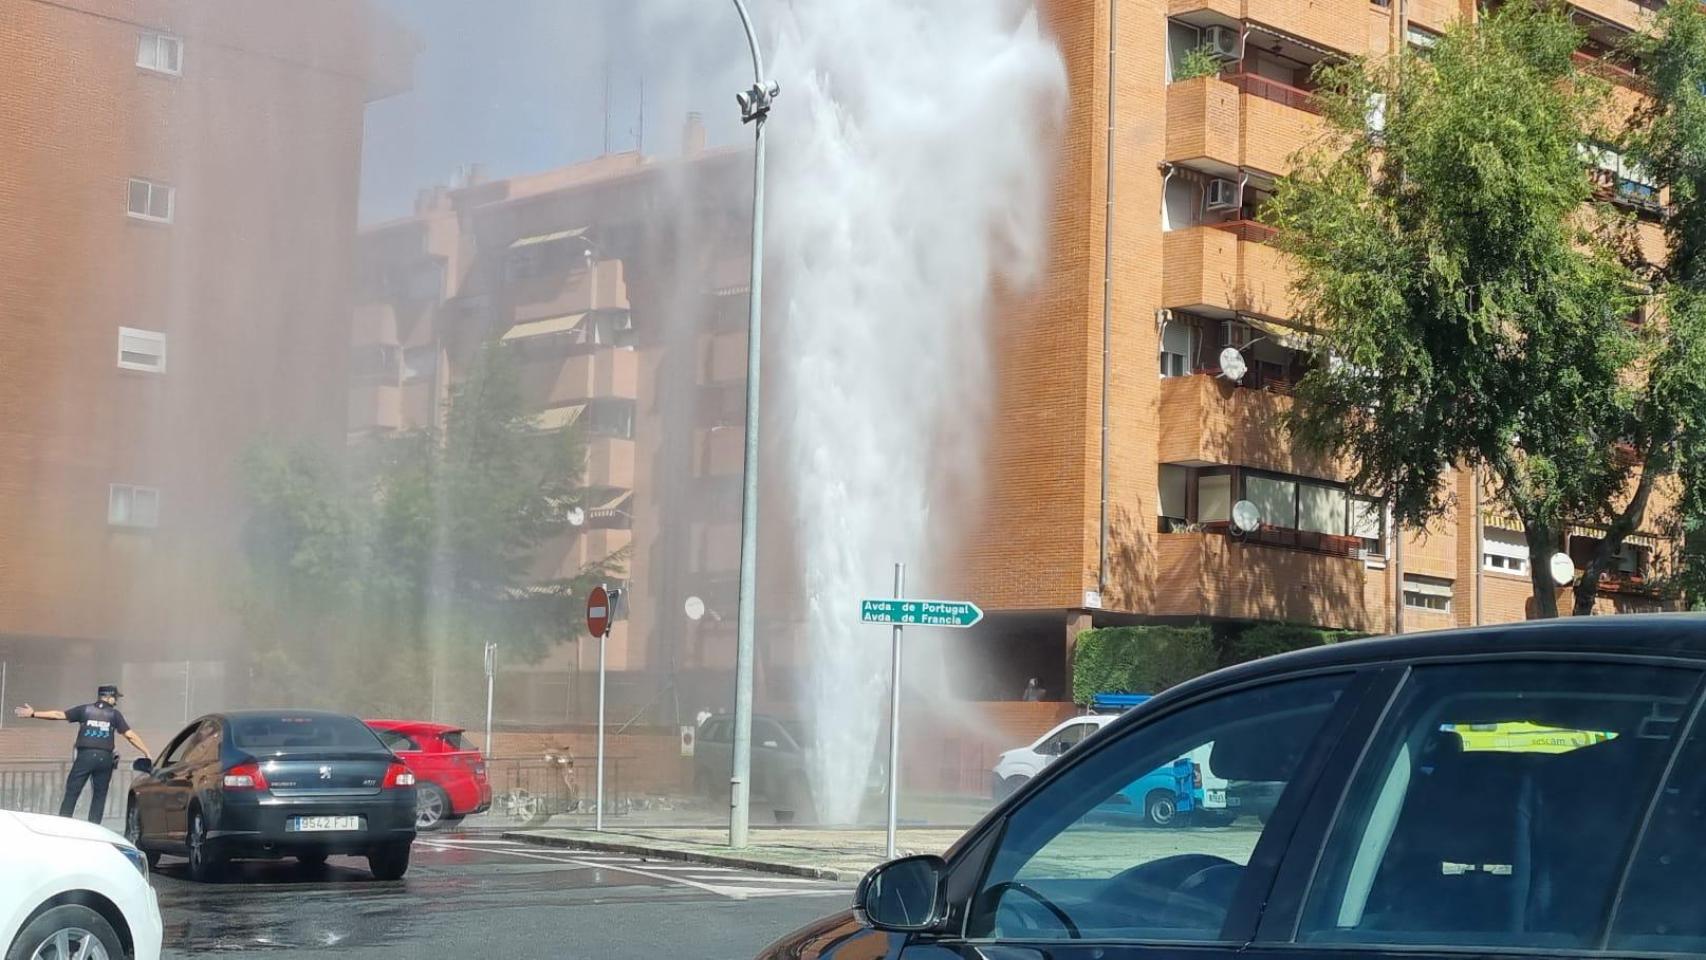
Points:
(1198, 62)
(1139, 659)
(419, 551)
(1272, 639)
(1468, 300)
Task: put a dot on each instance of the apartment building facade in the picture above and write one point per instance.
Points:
(1124, 446)
(178, 185)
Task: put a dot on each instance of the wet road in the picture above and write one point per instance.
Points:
(476, 897)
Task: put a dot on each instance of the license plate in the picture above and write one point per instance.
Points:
(323, 824)
(1216, 798)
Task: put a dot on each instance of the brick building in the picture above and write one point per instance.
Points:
(178, 185)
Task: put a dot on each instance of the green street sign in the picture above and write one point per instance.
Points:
(922, 613)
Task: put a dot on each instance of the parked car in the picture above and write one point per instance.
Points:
(270, 784)
(72, 879)
(1391, 834)
(1017, 766)
(450, 775)
(780, 767)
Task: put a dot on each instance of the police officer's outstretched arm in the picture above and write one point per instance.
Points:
(123, 727)
(31, 713)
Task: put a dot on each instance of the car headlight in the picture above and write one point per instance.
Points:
(135, 856)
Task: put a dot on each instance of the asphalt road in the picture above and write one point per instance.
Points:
(476, 897)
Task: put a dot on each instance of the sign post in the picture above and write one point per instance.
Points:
(598, 617)
(900, 612)
(491, 674)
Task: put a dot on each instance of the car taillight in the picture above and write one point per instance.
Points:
(398, 776)
(245, 776)
(1196, 775)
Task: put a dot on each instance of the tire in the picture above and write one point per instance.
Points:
(311, 861)
(432, 807)
(1160, 809)
(82, 929)
(133, 833)
(206, 865)
(389, 862)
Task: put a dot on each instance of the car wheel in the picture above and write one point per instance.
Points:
(1161, 808)
(389, 862)
(67, 932)
(133, 833)
(432, 807)
(205, 862)
(1007, 786)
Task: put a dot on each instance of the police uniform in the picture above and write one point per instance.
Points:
(94, 759)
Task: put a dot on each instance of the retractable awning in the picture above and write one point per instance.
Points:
(556, 418)
(548, 238)
(545, 327)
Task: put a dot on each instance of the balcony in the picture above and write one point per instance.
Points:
(1207, 419)
(570, 290)
(1225, 268)
(375, 407)
(1205, 574)
(724, 358)
(719, 452)
(553, 381)
(1629, 14)
(565, 556)
(1353, 27)
(1240, 121)
(610, 463)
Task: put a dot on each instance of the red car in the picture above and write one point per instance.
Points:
(450, 775)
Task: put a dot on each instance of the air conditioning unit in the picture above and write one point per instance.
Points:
(1222, 41)
(1222, 195)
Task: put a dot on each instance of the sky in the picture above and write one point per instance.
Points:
(519, 86)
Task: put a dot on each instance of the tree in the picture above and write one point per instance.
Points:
(421, 546)
(1466, 297)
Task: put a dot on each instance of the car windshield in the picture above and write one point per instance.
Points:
(287, 732)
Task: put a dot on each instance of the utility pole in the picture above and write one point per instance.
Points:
(754, 109)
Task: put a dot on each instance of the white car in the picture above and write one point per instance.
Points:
(1014, 767)
(70, 889)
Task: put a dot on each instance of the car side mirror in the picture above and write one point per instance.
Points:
(903, 896)
(142, 765)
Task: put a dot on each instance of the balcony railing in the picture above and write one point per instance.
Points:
(1332, 544)
(1610, 187)
(1607, 68)
(1252, 231)
(1283, 93)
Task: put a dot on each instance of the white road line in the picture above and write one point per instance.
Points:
(764, 879)
(494, 843)
(733, 893)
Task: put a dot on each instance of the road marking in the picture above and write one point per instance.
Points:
(495, 843)
(794, 880)
(568, 858)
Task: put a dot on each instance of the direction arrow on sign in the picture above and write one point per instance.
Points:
(922, 613)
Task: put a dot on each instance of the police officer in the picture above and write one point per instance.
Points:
(94, 759)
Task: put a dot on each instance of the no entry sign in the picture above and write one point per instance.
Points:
(598, 611)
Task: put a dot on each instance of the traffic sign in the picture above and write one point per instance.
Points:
(598, 611)
(922, 613)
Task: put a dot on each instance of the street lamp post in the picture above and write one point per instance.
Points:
(754, 109)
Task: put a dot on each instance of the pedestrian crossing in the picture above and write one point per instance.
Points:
(730, 882)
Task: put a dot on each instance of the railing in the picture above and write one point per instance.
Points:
(1253, 231)
(1282, 93)
(1610, 187)
(1609, 69)
(1338, 545)
(37, 786)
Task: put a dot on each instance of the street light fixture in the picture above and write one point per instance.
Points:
(754, 109)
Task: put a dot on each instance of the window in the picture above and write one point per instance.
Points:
(1182, 38)
(205, 748)
(1427, 593)
(1504, 551)
(397, 742)
(1368, 522)
(1421, 40)
(611, 418)
(1629, 180)
(1496, 805)
(1214, 497)
(1660, 910)
(160, 53)
(151, 201)
(288, 731)
(525, 262)
(129, 506)
(1181, 204)
(1178, 348)
(420, 363)
(454, 740)
(1081, 846)
(1321, 508)
(1276, 499)
(176, 751)
(1174, 488)
(1066, 739)
(141, 349)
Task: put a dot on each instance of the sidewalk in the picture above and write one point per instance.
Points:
(822, 854)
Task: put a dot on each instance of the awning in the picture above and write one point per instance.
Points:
(545, 327)
(1427, 586)
(1643, 540)
(556, 418)
(1296, 41)
(548, 237)
(1290, 338)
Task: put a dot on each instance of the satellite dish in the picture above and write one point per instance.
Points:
(1246, 517)
(694, 608)
(576, 517)
(1563, 569)
(1232, 365)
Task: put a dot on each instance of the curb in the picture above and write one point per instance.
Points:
(685, 856)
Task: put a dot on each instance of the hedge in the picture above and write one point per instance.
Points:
(1151, 659)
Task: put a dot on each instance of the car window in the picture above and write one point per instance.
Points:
(300, 731)
(174, 753)
(1661, 910)
(454, 740)
(717, 731)
(1124, 845)
(396, 742)
(205, 748)
(1066, 739)
(766, 731)
(1496, 806)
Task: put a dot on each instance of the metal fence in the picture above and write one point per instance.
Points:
(36, 786)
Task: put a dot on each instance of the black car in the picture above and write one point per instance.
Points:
(272, 784)
(1525, 790)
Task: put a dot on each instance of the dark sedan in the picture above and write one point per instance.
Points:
(273, 784)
